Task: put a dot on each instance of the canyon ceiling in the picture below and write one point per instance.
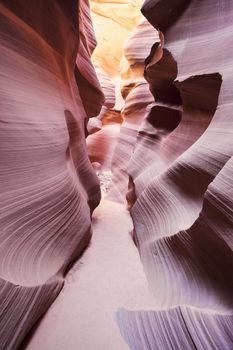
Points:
(116, 196)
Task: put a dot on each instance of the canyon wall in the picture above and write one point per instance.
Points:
(180, 170)
(47, 184)
(170, 150)
(138, 99)
(113, 22)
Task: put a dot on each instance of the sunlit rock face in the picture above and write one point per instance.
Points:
(180, 181)
(47, 184)
(113, 23)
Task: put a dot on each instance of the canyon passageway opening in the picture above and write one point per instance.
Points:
(116, 197)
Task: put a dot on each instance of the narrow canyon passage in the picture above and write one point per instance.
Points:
(133, 101)
(109, 275)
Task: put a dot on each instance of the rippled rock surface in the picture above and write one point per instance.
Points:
(180, 181)
(47, 184)
(166, 150)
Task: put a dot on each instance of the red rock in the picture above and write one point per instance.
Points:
(48, 187)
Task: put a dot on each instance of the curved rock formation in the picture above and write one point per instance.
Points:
(170, 150)
(180, 174)
(108, 88)
(135, 91)
(48, 187)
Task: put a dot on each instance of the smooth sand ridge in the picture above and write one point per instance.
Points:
(107, 277)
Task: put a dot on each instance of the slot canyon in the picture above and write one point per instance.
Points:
(116, 168)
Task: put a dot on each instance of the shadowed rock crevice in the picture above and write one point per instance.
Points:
(161, 76)
(163, 14)
(164, 118)
(94, 94)
(200, 92)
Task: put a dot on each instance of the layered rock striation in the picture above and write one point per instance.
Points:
(137, 97)
(47, 184)
(180, 170)
(170, 151)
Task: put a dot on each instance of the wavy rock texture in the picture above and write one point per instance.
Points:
(113, 23)
(108, 88)
(48, 187)
(180, 181)
(173, 155)
(137, 96)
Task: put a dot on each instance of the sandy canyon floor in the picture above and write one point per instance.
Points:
(104, 279)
